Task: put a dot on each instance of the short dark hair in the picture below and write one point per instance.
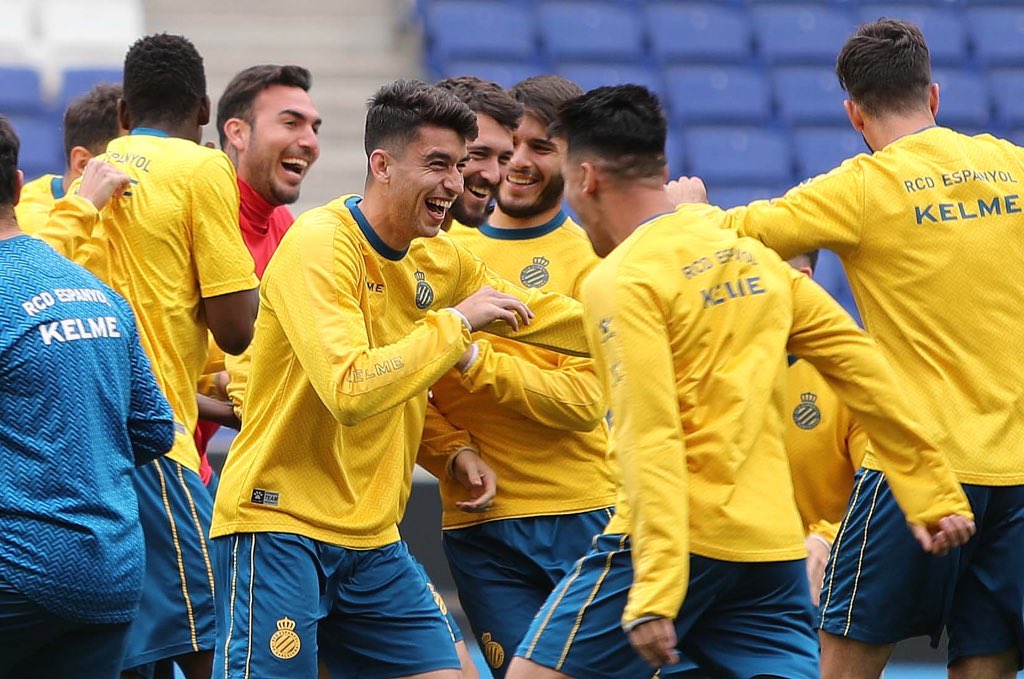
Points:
(241, 92)
(397, 110)
(9, 147)
(164, 80)
(624, 126)
(91, 119)
(484, 96)
(543, 95)
(885, 67)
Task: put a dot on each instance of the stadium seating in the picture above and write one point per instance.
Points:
(732, 196)
(20, 92)
(713, 94)
(943, 28)
(468, 29)
(698, 33)
(997, 34)
(800, 33)
(963, 99)
(77, 81)
(1007, 89)
(598, 31)
(754, 156)
(589, 76)
(504, 73)
(808, 95)
(41, 146)
(819, 149)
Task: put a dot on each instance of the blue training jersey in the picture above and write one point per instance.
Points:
(79, 409)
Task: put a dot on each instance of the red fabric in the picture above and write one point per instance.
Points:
(263, 227)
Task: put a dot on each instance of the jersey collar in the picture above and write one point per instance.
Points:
(525, 234)
(151, 131)
(57, 187)
(382, 248)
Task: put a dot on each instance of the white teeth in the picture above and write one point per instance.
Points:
(521, 181)
(296, 161)
(478, 193)
(440, 204)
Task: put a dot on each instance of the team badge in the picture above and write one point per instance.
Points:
(424, 293)
(535, 275)
(438, 599)
(285, 643)
(493, 651)
(806, 415)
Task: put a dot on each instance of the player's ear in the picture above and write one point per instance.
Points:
(123, 119)
(854, 114)
(204, 111)
(380, 166)
(77, 159)
(237, 131)
(933, 98)
(19, 181)
(588, 178)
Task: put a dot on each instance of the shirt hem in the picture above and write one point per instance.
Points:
(467, 519)
(357, 542)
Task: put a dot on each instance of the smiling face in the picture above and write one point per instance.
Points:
(489, 155)
(276, 151)
(533, 184)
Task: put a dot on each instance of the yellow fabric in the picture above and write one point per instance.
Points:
(929, 231)
(689, 326)
(33, 208)
(825, 447)
(170, 241)
(536, 416)
(342, 360)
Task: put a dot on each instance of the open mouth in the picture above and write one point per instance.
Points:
(295, 166)
(521, 179)
(483, 193)
(437, 207)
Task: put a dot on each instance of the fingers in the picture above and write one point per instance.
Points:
(923, 537)
(655, 642)
(957, 529)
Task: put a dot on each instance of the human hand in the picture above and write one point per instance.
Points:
(100, 181)
(953, 531)
(687, 190)
(469, 469)
(817, 557)
(467, 357)
(655, 641)
(487, 305)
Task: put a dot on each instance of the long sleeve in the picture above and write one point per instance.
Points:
(628, 332)
(922, 480)
(568, 397)
(73, 229)
(440, 440)
(314, 294)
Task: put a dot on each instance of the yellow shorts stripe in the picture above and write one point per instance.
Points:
(178, 555)
(860, 559)
(199, 529)
(551, 611)
(838, 544)
(252, 576)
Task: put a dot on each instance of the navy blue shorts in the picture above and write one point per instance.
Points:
(881, 587)
(439, 600)
(36, 643)
(504, 571)
(176, 614)
(738, 619)
(290, 601)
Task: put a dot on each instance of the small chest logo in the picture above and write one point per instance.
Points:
(493, 651)
(265, 497)
(535, 275)
(806, 414)
(424, 293)
(285, 643)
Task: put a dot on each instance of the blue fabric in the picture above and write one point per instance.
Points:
(79, 408)
(738, 619)
(883, 588)
(289, 600)
(439, 600)
(505, 570)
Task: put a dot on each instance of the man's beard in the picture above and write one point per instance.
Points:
(550, 196)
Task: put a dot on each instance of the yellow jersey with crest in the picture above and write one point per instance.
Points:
(170, 241)
(690, 325)
(929, 232)
(825, 447)
(536, 416)
(350, 336)
(37, 199)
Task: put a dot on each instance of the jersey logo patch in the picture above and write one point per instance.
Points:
(285, 643)
(265, 497)
(424, 293)
(493, 651)
(535, 275)
(806, 415)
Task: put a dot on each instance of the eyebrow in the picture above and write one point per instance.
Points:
(438, 155)
(300, 115)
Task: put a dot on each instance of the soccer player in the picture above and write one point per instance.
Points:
(90, 121)
(928, 229)
(689, 325)
(533, 414)
(79, 409)
(362, 308)
(174, 250)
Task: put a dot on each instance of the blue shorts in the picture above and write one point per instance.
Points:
(36, 643)
(881, 587)
(504, 571)
(176, 614)
(439, 600)
(290, 601)
(738, 619)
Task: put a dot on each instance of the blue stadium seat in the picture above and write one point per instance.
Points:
(1007, 89)
(808, 95)
(733, 196)
(675, 150)
(1017, 137)
(711, 94)
(589, 76)
(820, 149)
(590, 31)
(471, 29)
(20, 92)
(830, 275)
(738, 155)
(78, 81)
(807, 33)
(943, 28)
(963, 99)
(701, 32)
(505, 74)
(997, 34)
(41, 145)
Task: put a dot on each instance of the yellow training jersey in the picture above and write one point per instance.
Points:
(170, 241)
(825, 447)
(689, 326)
(37, 199)
(536, 416)
(929, 231)
(350, 335)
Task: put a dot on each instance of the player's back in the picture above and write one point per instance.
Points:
(725, 303)
(170, 241)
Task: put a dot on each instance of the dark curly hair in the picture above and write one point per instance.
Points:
(164, 79)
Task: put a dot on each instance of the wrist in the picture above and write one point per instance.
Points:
(628, 627)
(821, 539)
(449, 465)
(462, 316)
(465, 363)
